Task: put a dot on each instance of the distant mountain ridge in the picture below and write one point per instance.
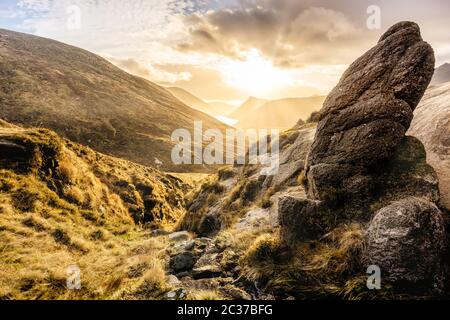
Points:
(214, 108)
(83, 97)
(280, 114)
(441, 74)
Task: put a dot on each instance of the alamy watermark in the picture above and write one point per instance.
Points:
(73, 17)
(374, 20)
(73, 281)
(374, 279)
(235, 146)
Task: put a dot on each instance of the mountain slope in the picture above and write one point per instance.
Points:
(431, 125)
(213, 109)
(441, 74)
(62, 204)
(279, 114)
(249, 106)
(224, 107)
(45, 83)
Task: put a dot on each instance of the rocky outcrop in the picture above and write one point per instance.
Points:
(293, 156)
(431, 125)
(406, 239)
(362, 167)
(366, 116)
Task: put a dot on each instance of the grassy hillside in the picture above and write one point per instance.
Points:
(44, 83)
(63, 204)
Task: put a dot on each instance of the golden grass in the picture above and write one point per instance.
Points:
(65, 206)
(326, 268)
(212, 295)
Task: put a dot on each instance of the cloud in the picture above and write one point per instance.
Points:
(288, 32)
(151, 72)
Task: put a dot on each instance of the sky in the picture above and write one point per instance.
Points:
(228, 50)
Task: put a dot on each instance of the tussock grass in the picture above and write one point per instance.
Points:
(62, 204)
(326, 268)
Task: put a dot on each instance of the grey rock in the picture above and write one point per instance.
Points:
(179, 236)
(182, 262)
(206, 259)
(255, 219)
(293, 157)
(301, 219)
(173, 280)
(406, 240)
(207, 272)
(179, 294)
(366, 116)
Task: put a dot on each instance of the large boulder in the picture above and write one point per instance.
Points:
(406, 240)
(361, 160)
(301, 219)
(366, 116)
(431, 125)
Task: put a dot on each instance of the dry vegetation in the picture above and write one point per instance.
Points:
(83, 97)
(62, 204)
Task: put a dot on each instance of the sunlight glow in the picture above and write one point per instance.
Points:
(255, 75)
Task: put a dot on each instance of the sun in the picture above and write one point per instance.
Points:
(254, 75)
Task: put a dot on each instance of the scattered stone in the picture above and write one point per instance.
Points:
(207, 272)
(205, 260)
(179, 294)
(229, 260)
(159, 232)
(255, 219)
(182, 262)
(234, 293)
(173, 280)
(179, 236)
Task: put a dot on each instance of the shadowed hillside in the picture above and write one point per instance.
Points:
(44, 83)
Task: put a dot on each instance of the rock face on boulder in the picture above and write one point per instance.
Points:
(301, 219)
(366, 116)
(406, 239)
